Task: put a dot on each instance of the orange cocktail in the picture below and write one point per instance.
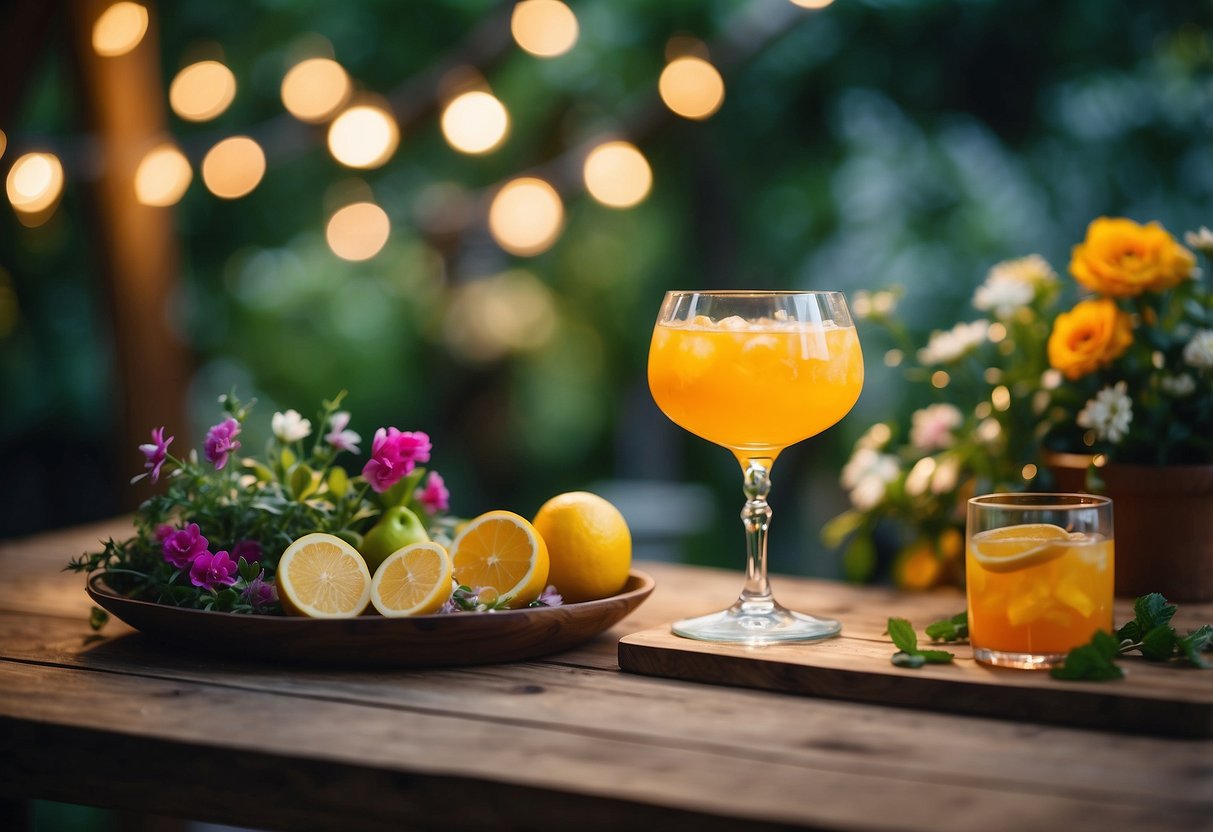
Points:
(1041, 585)
(754, 387)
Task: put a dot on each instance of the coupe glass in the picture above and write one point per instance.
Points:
(755, 372)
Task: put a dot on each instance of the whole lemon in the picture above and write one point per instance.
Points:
(589, 545)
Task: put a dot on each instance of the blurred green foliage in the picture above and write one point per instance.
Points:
(875, 143)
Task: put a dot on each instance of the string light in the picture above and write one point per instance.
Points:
(691, 87)
(3, 143)
(812, 4)
(526, 216)
(364, 136)
(475, 122)
(35, 182)
(545, 28)
(202, 91)
(617, 174)
(314, 89)
(358, 231)
(1029, 471)
(233, 167)
(119, 29)
(162, 176)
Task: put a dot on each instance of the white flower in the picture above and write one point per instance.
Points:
(950, 345)
(867, 475)
(1199, 351)
(1178, 386)
(1202, 239)
(1013, 284)
(1109, 414)
(290, 426)
(931, 428)
(875, 437)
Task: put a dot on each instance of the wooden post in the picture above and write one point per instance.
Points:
(123, 105)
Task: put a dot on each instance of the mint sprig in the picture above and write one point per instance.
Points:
(955, 628)
(1150, 632)
(906, 641)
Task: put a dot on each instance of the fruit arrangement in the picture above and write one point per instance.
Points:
(293, 532)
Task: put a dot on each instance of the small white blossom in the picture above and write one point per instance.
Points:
(290, 426)
(1012, 284)
(1202, 239)
(1109, 414)
(1198, 352)
(919, 478)
(949, 345)
(931, 428)
(1178, 386)
(867, 476)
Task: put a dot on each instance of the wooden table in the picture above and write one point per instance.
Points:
(564, 742)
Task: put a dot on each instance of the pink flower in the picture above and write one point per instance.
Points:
(259, 592)
(156, 452)
(339, 437)
(221, 441)
(250, 550)
(163, 531)
(393, 456)
(183, 546)
(209, 571)
(434, 496)
(550, 597)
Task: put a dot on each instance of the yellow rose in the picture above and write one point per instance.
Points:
(1091, 335)
(1122, 259)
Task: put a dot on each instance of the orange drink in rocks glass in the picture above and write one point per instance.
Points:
(1038, 573)
(755, 372)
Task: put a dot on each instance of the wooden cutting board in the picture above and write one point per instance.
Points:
(1169, 700)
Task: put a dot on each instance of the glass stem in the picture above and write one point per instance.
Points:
(756, 515)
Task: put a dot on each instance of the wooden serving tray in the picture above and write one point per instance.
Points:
(1169, 700)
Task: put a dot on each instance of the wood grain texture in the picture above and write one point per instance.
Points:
(117, 719)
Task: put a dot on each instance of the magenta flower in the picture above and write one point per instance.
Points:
(209, 571)
(250, 550)
(163, 531)
(156, 452)
(434, 497)
(339, 437)
(259, 592)
(393, 455)
(221, 441)
(183, 546)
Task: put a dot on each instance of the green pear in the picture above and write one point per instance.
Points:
(397, 528)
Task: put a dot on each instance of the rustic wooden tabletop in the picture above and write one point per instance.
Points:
(115, 720)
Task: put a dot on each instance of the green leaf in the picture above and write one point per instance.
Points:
(339, 482)
(841, 527)
(1130, 632)
(1194, 644)
(904, 659)
(955, 628)
(1158, 645)
(98, 618)
(1153, 611)
(400, 493)
(1093, 661)
(246, 570)
(261, 471)
(903, 635)
(303, 481)
(936, 656)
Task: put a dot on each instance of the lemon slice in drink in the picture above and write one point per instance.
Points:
(413, 580)
(1012, 548)
(322, 576)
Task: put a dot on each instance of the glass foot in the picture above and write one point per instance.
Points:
(769, 625)
(1023, 661)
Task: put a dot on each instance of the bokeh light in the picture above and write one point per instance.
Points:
(119, 29)
(691, 87)
(314, 89)
(3, 143)
(526, 216)
(489, 318)
(475, 122)
(202, 91)
(812, 4)
(162, 176)
(617, 174)
(35, 182)
(545, 28)
(364, 136)
(358, 231)
(233, 167)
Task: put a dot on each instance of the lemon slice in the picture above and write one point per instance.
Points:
(501, 550)
(1013, 548)
(322, 576)
(413, 580)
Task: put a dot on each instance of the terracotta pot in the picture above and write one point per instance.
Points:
(1163, 517)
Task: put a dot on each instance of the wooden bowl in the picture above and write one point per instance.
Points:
(375, 641)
